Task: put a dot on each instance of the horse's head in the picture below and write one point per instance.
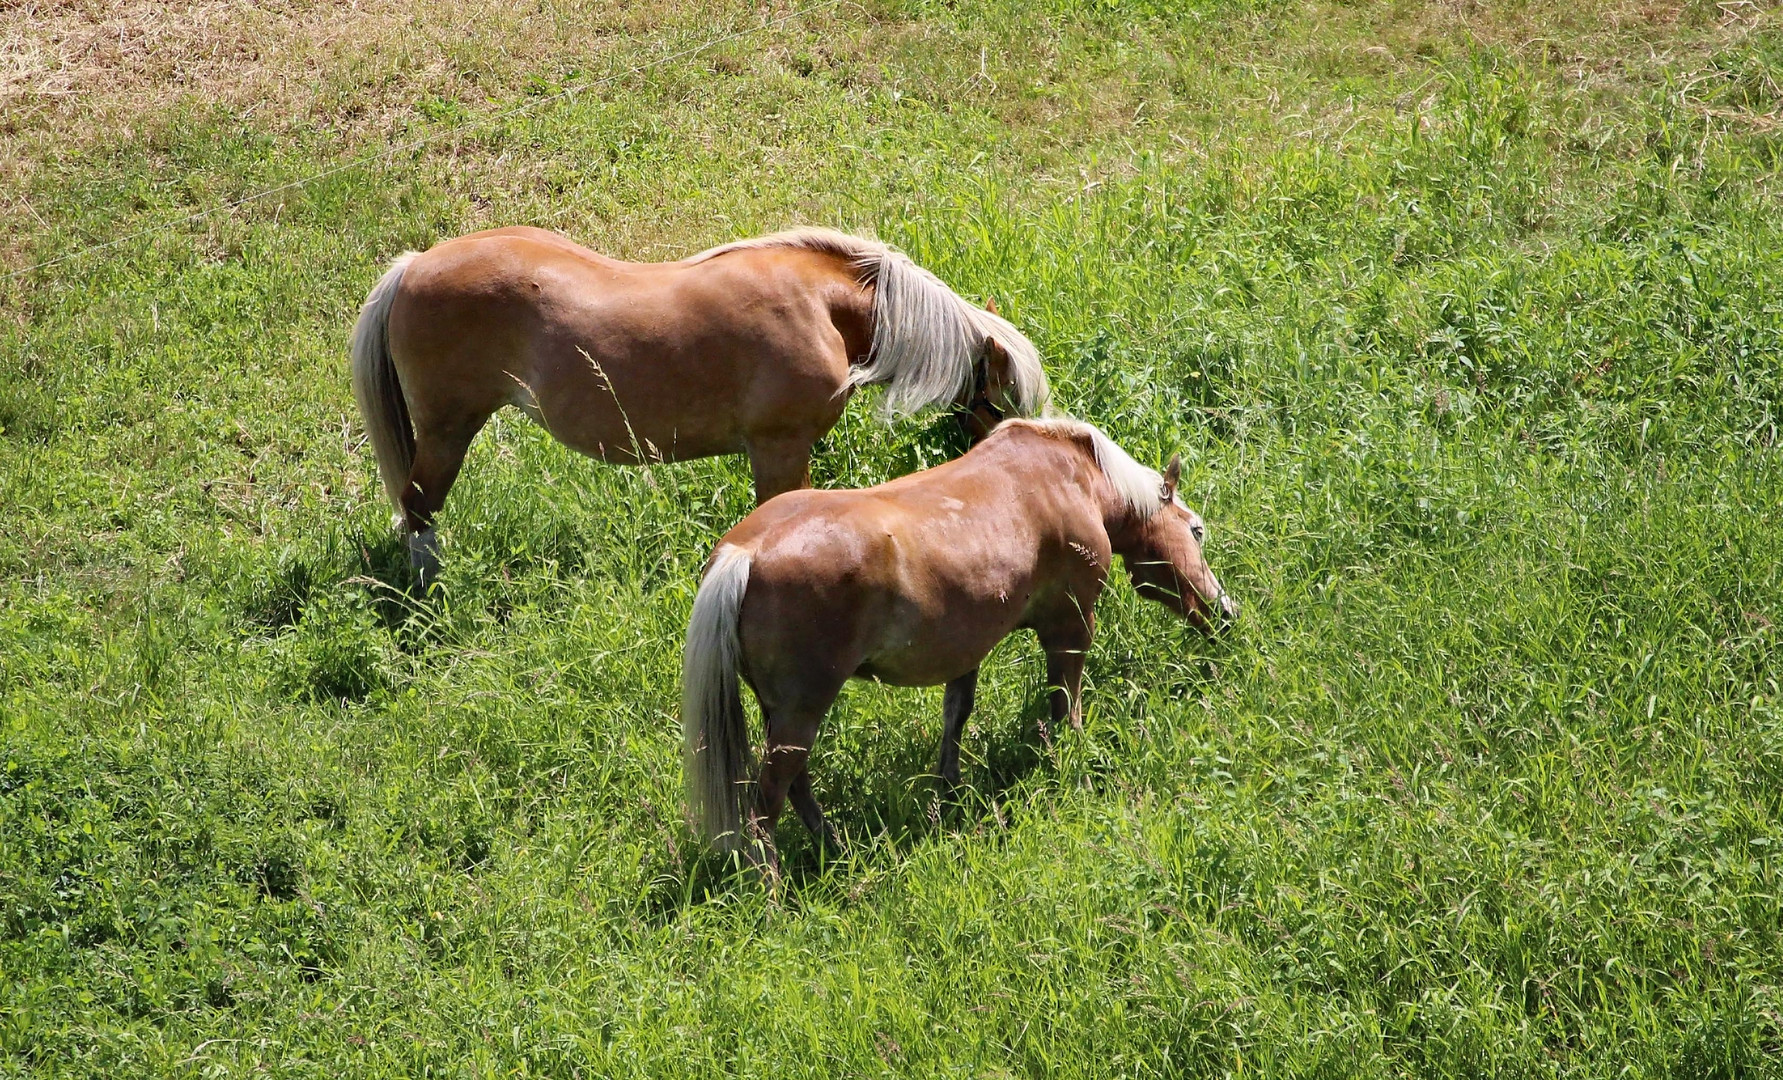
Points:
(993, 394)
(1164, 559)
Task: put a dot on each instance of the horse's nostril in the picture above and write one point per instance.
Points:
(1228, 608)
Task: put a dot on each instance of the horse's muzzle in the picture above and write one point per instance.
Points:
(1228, 610)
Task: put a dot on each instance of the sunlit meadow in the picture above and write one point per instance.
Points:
(1467, 320)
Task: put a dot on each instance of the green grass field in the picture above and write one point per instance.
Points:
(1468, 322)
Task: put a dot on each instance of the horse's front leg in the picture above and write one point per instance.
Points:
(780, 464)
(956, 705)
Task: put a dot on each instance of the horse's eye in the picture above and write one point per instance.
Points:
(1200, 532)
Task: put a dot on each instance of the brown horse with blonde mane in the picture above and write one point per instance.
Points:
(752, 347)
(913, 583)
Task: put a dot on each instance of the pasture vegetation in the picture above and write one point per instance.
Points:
(1466, 318)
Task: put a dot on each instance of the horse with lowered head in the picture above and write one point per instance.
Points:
(751, 347)
(913, 583)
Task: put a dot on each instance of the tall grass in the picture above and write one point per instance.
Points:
(1474, 364)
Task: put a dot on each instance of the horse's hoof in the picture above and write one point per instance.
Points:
(424, 558)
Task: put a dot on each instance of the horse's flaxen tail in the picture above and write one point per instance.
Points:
(715, 729)
(377, 389)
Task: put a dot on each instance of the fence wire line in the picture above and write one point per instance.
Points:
(415, 144)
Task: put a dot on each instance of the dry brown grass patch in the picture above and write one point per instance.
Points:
(77, 67)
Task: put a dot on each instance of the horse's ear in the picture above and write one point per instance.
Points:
(1172, 474)
(995, 353)
(990, 304)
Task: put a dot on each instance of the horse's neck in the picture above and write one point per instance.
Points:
(1054, 462)
(851, 310)
(1124, 525)
(1118, 519)
(1126, 533)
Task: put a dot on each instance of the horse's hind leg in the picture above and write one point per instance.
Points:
(439, 454)
(810, 813)
(956, 706)
(783, 762)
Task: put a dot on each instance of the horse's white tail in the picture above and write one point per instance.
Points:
(377, 389)
(928, 340)
(715, 729)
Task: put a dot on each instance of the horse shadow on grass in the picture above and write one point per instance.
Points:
(341, 560)
(280, 594)
(338, 609)
(889, 805)
(888, 800)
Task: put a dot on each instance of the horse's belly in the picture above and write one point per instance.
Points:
(937, 653)
(624, 444)
(637, 424)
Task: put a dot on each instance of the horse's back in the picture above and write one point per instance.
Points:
(691, 358)
(779, 298)
(521, 240)
(965, 511)
(522, 262)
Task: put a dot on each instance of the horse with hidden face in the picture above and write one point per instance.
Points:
(752, 347)
(913, 583)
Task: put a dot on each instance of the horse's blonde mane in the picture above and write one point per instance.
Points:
(927, 339)
(1140, 488)
(807, 239)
